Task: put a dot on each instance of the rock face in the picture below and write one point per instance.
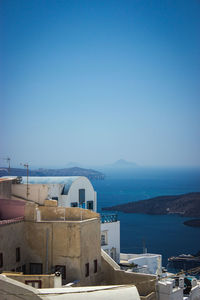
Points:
(187, 205)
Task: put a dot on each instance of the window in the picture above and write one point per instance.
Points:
(74, 204)
(90, 205)
(35, 268)
(81, 196)
(104, 238)
(34, 283)
(95, 266)
(1, 260)
(62, 270)
(87, 270)
(54, 198)
(17, 254)
(19, 269)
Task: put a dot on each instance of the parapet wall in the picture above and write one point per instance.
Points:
(144, 283)
(53, 213)
(46, 281)
(36, 192)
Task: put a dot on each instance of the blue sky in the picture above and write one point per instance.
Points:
(95, 81)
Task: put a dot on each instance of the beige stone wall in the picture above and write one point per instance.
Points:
(12, 237)
(47, 281)
(37, 192)
(145, 283)
(72, 244)
(5, 189)
(30, 211)
(90, 251)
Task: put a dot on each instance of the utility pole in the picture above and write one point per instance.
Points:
(8, 161)
(27, 174)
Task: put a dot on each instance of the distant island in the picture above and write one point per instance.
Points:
(187, 205)
(120, 165)
(75, 171)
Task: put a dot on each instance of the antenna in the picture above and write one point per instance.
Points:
(7, 159)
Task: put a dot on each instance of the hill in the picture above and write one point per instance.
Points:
(75, 171)
(187, 205)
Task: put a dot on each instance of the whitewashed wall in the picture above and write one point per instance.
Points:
(73, 193)
(113, 238)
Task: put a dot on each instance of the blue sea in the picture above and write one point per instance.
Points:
(166, 235)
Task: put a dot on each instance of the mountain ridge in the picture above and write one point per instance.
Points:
(187, 205)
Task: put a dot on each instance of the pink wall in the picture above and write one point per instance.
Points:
(10, 209)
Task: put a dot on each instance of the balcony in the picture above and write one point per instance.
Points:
(108, 218)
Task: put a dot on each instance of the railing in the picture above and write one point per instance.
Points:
(109, 218)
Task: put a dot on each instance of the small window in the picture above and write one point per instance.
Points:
(90, 205)
(104, 238)
(87, 270)
(17, 254)
(74, 204)
(54, 198)
(81, 196)
(1, 260)
(36, 268)
(95, 266)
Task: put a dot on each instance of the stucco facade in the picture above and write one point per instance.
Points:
(12, 236)
(67, 192)
(55, 239)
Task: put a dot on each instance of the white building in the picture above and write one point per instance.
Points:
(69, 191)
(147, 263)
(178, 289)
(72, 191)
(110, 236)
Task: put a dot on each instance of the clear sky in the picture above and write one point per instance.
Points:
(96, 81)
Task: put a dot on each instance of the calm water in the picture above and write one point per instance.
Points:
(162, 234)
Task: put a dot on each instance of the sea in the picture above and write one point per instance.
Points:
(161, 234)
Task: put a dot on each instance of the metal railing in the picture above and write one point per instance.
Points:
(109, 218)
